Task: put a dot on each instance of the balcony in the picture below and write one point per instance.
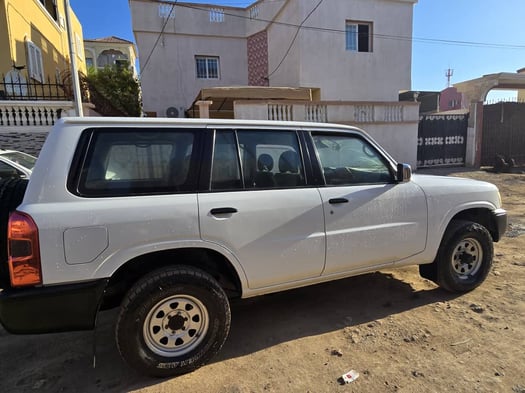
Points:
(357, 113)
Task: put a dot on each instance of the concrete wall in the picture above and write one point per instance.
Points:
(286, 72)
(378, 75)
(393, 125)
(169, 78)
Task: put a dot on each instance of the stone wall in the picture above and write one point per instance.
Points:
(28, 142)
(258, 59)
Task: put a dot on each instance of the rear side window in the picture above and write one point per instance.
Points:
(121, 162)
(256, 159)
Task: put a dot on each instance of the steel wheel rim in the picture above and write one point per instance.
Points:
(176, 325)
(467, 258)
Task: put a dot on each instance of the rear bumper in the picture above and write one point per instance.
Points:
(500, 218)
(51, 309)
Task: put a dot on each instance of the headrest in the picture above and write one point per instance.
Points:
(265, 163)
(289, 162)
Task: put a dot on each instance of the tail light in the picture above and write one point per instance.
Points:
(23, 251)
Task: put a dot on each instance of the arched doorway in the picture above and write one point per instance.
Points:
(475, 91)
(110, 57)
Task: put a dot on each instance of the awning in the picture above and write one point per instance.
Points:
(223, 97)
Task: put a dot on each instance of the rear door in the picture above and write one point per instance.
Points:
(260, 208)
(370, 219)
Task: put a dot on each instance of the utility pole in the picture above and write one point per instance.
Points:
(449, 73)
(77, 97)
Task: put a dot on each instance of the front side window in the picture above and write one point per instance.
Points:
(121, 162)
(349, 160)
(358, 36)
(207, 67)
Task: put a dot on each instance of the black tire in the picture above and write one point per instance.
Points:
(464, 257)
(172, 321)
(11, 195)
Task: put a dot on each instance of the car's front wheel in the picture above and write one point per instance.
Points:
(465, 256)
(172, 321)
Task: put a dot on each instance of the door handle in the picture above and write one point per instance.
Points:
(223, 210)
(334, 201)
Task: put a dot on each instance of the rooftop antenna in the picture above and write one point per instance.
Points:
(449, 73)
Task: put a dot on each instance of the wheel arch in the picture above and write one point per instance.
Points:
(206, 259)
(480, 215)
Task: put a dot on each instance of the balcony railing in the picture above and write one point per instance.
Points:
(329, 111)
(32, 115)
(25, 89)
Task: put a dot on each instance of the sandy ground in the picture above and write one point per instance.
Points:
(400, 332)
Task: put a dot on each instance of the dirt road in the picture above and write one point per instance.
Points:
(400, 332)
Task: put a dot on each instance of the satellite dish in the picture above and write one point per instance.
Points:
(172, 112)
(15, 83)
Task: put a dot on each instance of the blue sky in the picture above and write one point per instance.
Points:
(496, 22)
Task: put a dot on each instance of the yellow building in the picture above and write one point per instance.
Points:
(34, 43)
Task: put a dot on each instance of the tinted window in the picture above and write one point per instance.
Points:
(271, 159)
(130, 162)
(347, 159)
(26, 160)
(7, 170)
(256, 159)
(226, 173)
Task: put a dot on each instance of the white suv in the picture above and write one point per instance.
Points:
(169, 219)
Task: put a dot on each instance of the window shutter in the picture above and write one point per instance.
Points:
(34, 56)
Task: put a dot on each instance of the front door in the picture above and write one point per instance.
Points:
(370, 219)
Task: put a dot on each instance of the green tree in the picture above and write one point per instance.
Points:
(114, 91)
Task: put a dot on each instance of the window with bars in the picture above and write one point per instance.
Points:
(167, 11)
(359, 36)
(207, 67)
(216, 15)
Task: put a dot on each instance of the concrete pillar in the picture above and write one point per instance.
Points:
(474, 135)
(204, 109)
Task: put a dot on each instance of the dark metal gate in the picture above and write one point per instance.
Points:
(503, 132)
(442, 140)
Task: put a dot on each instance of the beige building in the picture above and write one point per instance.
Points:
(350, 49)
(353, 55)
(109, 51)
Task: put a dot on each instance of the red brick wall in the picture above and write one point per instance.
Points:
(258, 59)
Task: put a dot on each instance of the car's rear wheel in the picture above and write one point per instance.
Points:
(172, 321)
(464, 257)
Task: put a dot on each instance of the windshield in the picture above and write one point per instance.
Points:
(26, 160)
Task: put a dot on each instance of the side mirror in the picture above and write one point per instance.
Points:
(404, 173)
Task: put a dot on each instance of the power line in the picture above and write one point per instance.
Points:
(143, 68)
(293, 39)
(380, 36)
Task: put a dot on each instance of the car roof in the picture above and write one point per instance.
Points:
(150, 121)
